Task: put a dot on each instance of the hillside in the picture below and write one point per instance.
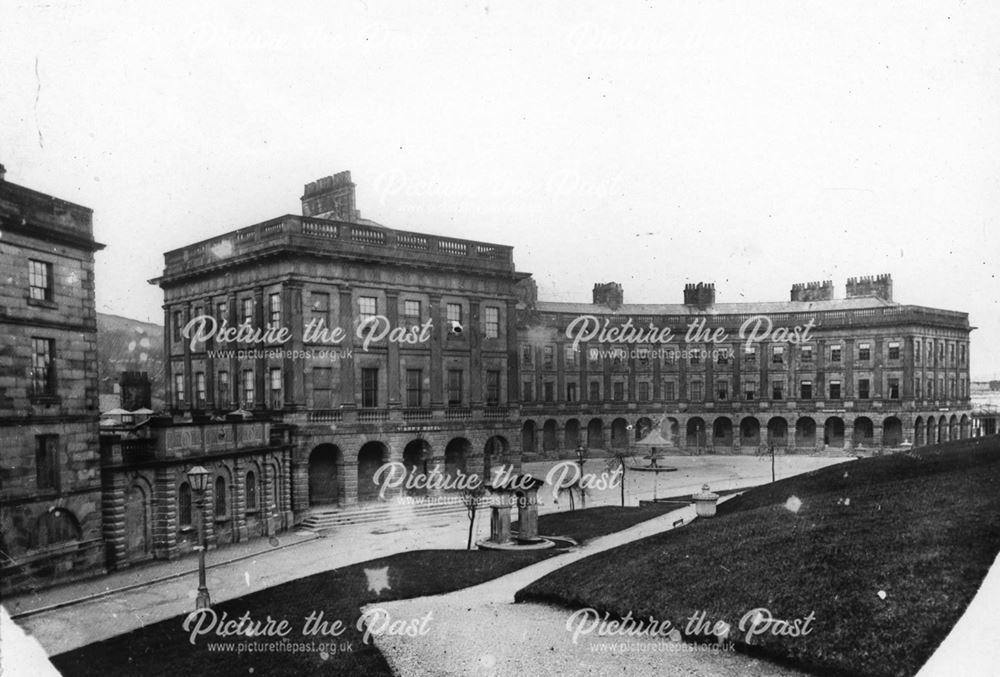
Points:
(883, 554)
(124, 344)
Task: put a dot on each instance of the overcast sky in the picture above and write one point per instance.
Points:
(750, 144)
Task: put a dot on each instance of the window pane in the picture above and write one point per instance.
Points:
(275, 309)
(369, 387)
(492, 322)
(454, 387)
(367, 306)
(40, 280)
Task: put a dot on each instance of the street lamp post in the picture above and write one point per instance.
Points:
(581, 458)
(198, 477)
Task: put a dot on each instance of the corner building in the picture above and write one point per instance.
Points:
(439, 405)
(50, 474)
(874, 374)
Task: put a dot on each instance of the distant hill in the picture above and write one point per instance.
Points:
(124, 344)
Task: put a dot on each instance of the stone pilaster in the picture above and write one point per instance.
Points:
(240, 498)
(113, 519)
(165, 515)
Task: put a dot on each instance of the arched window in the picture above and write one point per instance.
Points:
(220, 497)
(58, 525)
(184, 504)
(251, 491)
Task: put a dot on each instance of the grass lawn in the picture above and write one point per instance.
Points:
(585, 525)
(886, 553)
(164, 648)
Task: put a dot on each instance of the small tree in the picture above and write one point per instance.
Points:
(471, 499)
(767, 449)
(618, 461)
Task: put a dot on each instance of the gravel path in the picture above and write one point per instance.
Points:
(480, 631)
(532, 639)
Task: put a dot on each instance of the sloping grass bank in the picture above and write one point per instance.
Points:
(885, 553)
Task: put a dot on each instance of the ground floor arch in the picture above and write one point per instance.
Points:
(496, 452)
(722, 432)
(456, 456)
(416, 460)
(670, 429)
(777, 431)
(371, 456)
(864, 432)
(694, 433)
(892, 432)
(749, 431)
(643, 427)
(326, 464)
(833, 432)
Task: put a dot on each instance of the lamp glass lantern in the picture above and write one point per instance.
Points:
(198, 477)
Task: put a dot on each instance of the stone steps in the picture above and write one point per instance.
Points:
(398, 511)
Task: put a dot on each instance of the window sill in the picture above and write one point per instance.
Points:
(45, 399)
(222, 520)
(43, 303)
(186, 529)
(253, 511)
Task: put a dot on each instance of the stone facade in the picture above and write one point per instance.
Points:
(150, 509)
(495, 375)
(436, 394)
(873, 374)
(50, 484)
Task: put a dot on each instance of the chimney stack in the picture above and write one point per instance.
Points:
(701, 294)
(879, 286)
(812, 291)
(331, 197)
(609, 294)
